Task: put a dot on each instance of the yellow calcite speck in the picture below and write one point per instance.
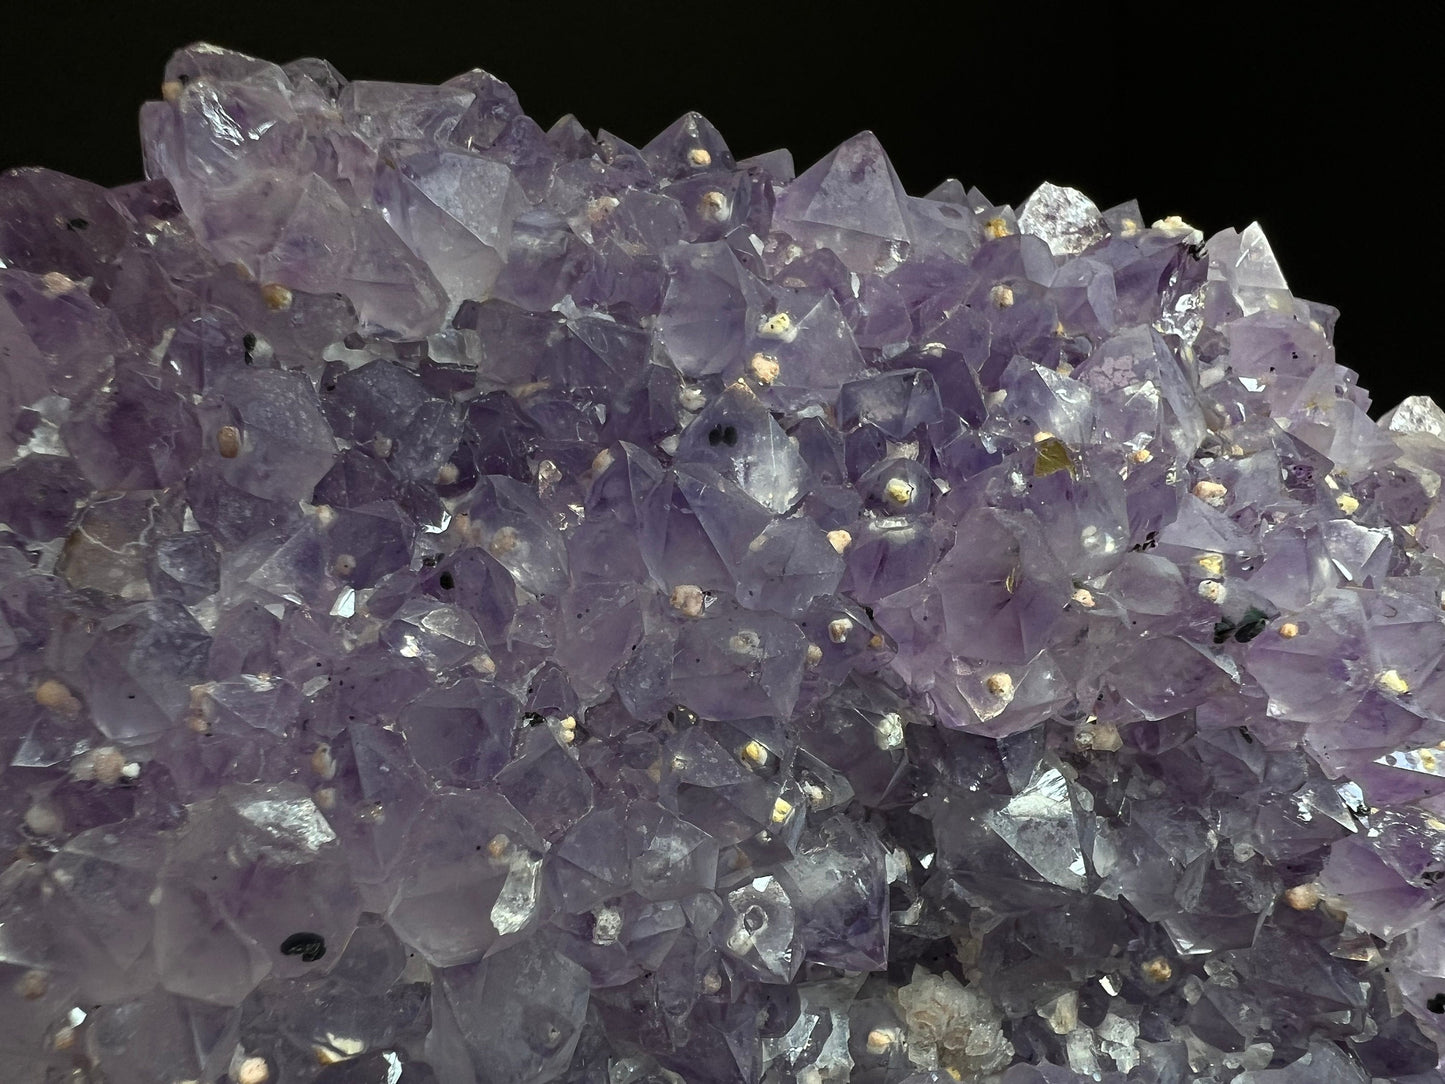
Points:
(687, 599)
(880, 1039)
(322, 762)
(1051, 454)
(754, 753)
(1157, 970)
(1390, 681)
(713, 205)
(898, 491)
(1305, 897)
(1212, 563)
(777, 325)
(278, 298)
(228, 441)
(54, 695)
(764, 367)
(1211, 493)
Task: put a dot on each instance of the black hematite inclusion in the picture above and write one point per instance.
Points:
(309, 946)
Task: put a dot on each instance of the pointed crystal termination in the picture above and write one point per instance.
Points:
(851, 203)
(481, 602)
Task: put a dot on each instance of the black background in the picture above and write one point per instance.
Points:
(1319, 126)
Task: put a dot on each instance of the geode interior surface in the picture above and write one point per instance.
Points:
(486, 603)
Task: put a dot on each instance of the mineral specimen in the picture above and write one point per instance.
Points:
(485, 603)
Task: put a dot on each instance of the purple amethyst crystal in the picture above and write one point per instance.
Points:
(490, 603)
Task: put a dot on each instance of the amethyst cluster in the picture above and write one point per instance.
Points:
(486, 603)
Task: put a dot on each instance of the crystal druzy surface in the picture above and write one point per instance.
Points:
(490, 603)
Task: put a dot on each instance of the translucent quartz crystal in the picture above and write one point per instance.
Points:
(481, 602)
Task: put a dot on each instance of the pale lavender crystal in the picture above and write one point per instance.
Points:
(850, 202)
(485, 602)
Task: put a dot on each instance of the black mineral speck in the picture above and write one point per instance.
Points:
(681, 716)
(309, 946)
(1436, 1004)
(1250, 625)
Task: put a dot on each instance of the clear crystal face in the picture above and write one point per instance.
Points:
(485, 603)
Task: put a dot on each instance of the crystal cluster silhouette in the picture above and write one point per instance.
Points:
(486, 603)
